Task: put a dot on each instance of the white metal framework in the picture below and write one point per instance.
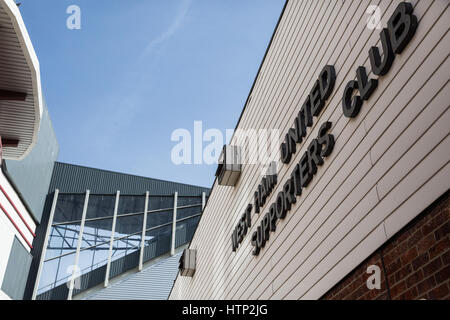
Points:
(74, 232)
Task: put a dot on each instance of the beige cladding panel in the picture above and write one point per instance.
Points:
(388, 164)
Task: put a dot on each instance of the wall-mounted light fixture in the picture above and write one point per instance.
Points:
(187, 262)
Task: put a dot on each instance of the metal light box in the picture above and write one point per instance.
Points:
(230, 166)
(187, 262)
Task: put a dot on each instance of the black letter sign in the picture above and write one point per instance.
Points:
(402, 25)
(380, 68)
(351, 106)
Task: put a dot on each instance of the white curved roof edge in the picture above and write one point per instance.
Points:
(30, 55)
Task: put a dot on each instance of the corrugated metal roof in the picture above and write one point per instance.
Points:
(152, 283)
(69, 178)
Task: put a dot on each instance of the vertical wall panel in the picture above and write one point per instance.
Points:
(17, 270)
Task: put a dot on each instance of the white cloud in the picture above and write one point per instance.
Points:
(173, 27)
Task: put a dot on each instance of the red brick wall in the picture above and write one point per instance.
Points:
(415, 262)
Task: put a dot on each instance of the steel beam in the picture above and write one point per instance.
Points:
(111, 241)
(77, 253)
(174, 223)
(144, 228)
(44, 248)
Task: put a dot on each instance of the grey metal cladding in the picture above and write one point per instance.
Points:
(16, 273)
(69, 178)
(32, 175)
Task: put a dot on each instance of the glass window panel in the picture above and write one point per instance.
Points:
(47, 280)
(187, 201)
(69, 207)
(124, 260)
(96, 232)
(157, 242)
(100, 206)
(158, 218)
(63, 239)
(93, 258)
(125, 255)
(55, 242)
(125, 246)
(128, 225)
(101, 255)
(185, 231)
(56, 272)
(187, 212)
(131, 204)
(160, 202)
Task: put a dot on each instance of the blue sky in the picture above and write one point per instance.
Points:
(139, 69)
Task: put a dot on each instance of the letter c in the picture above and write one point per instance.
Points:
(351, 106)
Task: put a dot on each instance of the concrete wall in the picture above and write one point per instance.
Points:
(388, 164)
